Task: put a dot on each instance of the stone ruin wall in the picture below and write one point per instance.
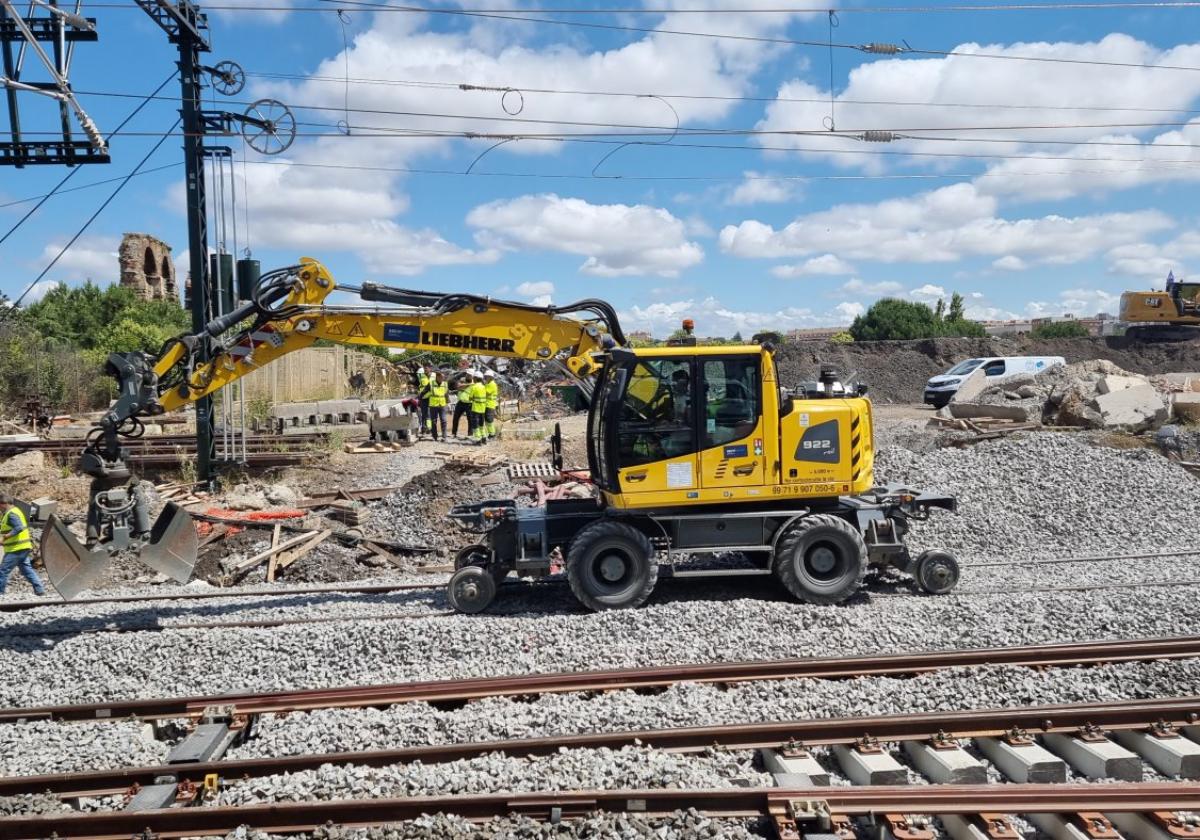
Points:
(147, 268)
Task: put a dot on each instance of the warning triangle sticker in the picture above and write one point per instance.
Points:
(357, 331)
(334, 329)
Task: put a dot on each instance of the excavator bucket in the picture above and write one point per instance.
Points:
(173, 544)
(71, 566)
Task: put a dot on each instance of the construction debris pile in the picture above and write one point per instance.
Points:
(1092, 395)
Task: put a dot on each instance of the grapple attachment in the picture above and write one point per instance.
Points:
(74, 567)
(71, 566)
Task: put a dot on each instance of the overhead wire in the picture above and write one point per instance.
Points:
(83, 228)
(58, 188)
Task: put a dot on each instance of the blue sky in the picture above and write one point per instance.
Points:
(1032, 187)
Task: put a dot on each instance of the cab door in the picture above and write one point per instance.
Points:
(656, 429)
(731, 453)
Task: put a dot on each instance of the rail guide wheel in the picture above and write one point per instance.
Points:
(471, 590)
(936, 572)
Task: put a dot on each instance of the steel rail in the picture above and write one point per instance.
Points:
(362, 589)
(294, 817)
(1132, 714)
(1069, 654)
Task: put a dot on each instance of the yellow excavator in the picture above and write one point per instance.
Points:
(693, 450)
(1170, 315)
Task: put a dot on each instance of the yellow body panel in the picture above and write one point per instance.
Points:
(1151, 308)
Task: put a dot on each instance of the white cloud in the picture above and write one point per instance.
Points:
(855, 286)
(930, 85)
(39, 291)
(1078, 302)
(824, 265)
(93, 257)
(850, 309)
(942, 225)
(539, 293)
(617, 239)
(1010, 263)
(758, 188)
(1150, 262)
(927, 293)
(713, 318)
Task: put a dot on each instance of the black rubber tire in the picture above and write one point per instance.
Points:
(610, 539)
(478, 555)
(839, 541)
(936, 572)
(471, 589)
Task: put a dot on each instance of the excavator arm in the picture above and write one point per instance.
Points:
(290, 310)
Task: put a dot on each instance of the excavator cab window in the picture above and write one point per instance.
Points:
(731, 399)
(657, 412)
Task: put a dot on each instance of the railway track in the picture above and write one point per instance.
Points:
(1073, 654)
(791, 810)
(948, 727)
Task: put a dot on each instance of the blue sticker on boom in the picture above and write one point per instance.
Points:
(739, 451)
(403, 333)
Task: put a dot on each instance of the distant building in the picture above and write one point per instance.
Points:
(1015, 327)
(640, 335)
(146, 267)
(1101, 324)
(813, 334)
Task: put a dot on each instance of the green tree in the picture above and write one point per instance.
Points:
(767, 336)
(1060, 329)
(737, 338)
(939, 311)
(956, 308)
(843, 337)
(890, 319)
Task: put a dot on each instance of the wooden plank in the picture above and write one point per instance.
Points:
(273, 562)
(251, 562)
(289, 557)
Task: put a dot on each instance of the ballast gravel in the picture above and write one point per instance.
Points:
(1048, 494)
(682, 825)
(707, 704)
(632, 768)
(45, 747)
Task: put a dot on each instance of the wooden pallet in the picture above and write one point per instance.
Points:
(538, 469)
(479, 460)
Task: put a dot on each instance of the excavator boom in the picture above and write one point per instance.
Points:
(290, 310)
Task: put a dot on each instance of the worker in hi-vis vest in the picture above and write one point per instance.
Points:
(18, 546)
(478, 397)
(439, 394)
(493, 404)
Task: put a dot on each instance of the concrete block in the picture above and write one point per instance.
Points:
(1101, 759)
(1187, 406)
(1140, 827)
(870, 768)
(152, 797)
(1111, 384)
(1023, 762)
(1061, 826)
(970, 827)
(969, 411)
(1177, 756)
(207, 742)
(775, 762)
(971, 387)
(946, 766)
(1136, 408)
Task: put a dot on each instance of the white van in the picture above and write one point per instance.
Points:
(940, 389)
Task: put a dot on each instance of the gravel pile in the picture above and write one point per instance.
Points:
(683, 825)
(1048, 494)
(632, 768)
(500, 718)
(42, 747)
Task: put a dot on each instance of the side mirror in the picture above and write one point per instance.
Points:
(860, 390)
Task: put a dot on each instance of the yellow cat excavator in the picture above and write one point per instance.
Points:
(693, 450)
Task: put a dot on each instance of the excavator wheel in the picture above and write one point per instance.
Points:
(471, 589)
(821, 559)
(936, 572)
(611, 565)
(478, 555)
